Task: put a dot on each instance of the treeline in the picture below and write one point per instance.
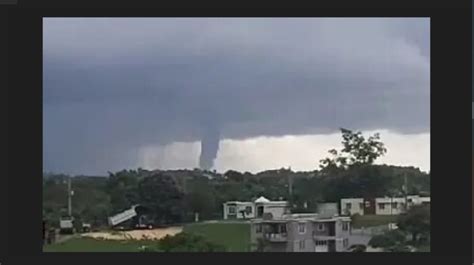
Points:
(174, 196)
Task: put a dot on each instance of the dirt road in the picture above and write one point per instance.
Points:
(136, 234)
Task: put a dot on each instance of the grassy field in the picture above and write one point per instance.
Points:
(372, 220)
(234, 236)
(424, 248)
(97, 245)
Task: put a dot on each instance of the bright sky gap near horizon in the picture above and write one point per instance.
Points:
(231, 93)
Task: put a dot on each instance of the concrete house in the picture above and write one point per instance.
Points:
(382, 205)
(239, 210)
(389, 206)
(327, 209)
(351, 206)
(256, 209)
(301, 233)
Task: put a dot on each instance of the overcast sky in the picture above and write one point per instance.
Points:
(242, 93)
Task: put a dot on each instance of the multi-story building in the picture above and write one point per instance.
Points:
(300, 233)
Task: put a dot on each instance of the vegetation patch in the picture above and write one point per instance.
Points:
(234, 236)
(359, 221)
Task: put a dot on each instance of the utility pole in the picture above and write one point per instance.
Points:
(290, 183)
(405, 191)
(69, 197)
(391, 204)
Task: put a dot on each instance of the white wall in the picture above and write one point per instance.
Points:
(277, 211)
(387, 206)
(328, 208)
(239, 207)
(355, 206)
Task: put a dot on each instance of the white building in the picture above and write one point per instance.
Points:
(328, 209)
(256, 209)
(351, 206)
(239, 210)
(389, 206)
(381, 206)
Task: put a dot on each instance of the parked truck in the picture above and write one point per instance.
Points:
(132, 217)
(66, 225)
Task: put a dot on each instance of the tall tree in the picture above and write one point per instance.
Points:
(416, 221)
(122, 188)
(201, 198)
(356, 151)
(160, 194)
(234, 175)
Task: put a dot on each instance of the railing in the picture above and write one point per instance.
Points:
(322, 236)
(276, 237)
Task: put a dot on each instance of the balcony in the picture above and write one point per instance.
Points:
(276, 237)
(317, 236)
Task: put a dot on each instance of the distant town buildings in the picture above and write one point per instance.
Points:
(381, 206)
(273, 228)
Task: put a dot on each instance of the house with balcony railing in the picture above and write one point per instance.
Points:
(301, 233)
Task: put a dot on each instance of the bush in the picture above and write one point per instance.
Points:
(417, 222)
(149, 249)
(358, 248)
(387, 240)
(399, 248)
(184, 242)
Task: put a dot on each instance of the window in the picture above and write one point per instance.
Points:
(248, 209)
(394, 205)
(259, 228)
(283, 228)
(361, 206)
(302, 228)
(231, 209)
(320, 243)
(348, 206)
(345, 243)
(302, 246)
(382, 206)
(345, 226)
(320, 227)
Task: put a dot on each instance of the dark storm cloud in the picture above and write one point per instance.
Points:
(112, 86)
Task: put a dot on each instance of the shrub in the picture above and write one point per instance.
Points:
(185, 242)
(389, 239)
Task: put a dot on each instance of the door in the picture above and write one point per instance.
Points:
(321, 246)
(331, 246)
(369, 206)
(331, 228)
(259, 211)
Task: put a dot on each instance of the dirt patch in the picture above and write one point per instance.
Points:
(152, 234)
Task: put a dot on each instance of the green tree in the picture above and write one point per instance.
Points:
(350, 171)
(122, 188)
(234, 175)
(356, 151)
(388, 240)
(416, 221)
(201, 198)
(160, 194)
